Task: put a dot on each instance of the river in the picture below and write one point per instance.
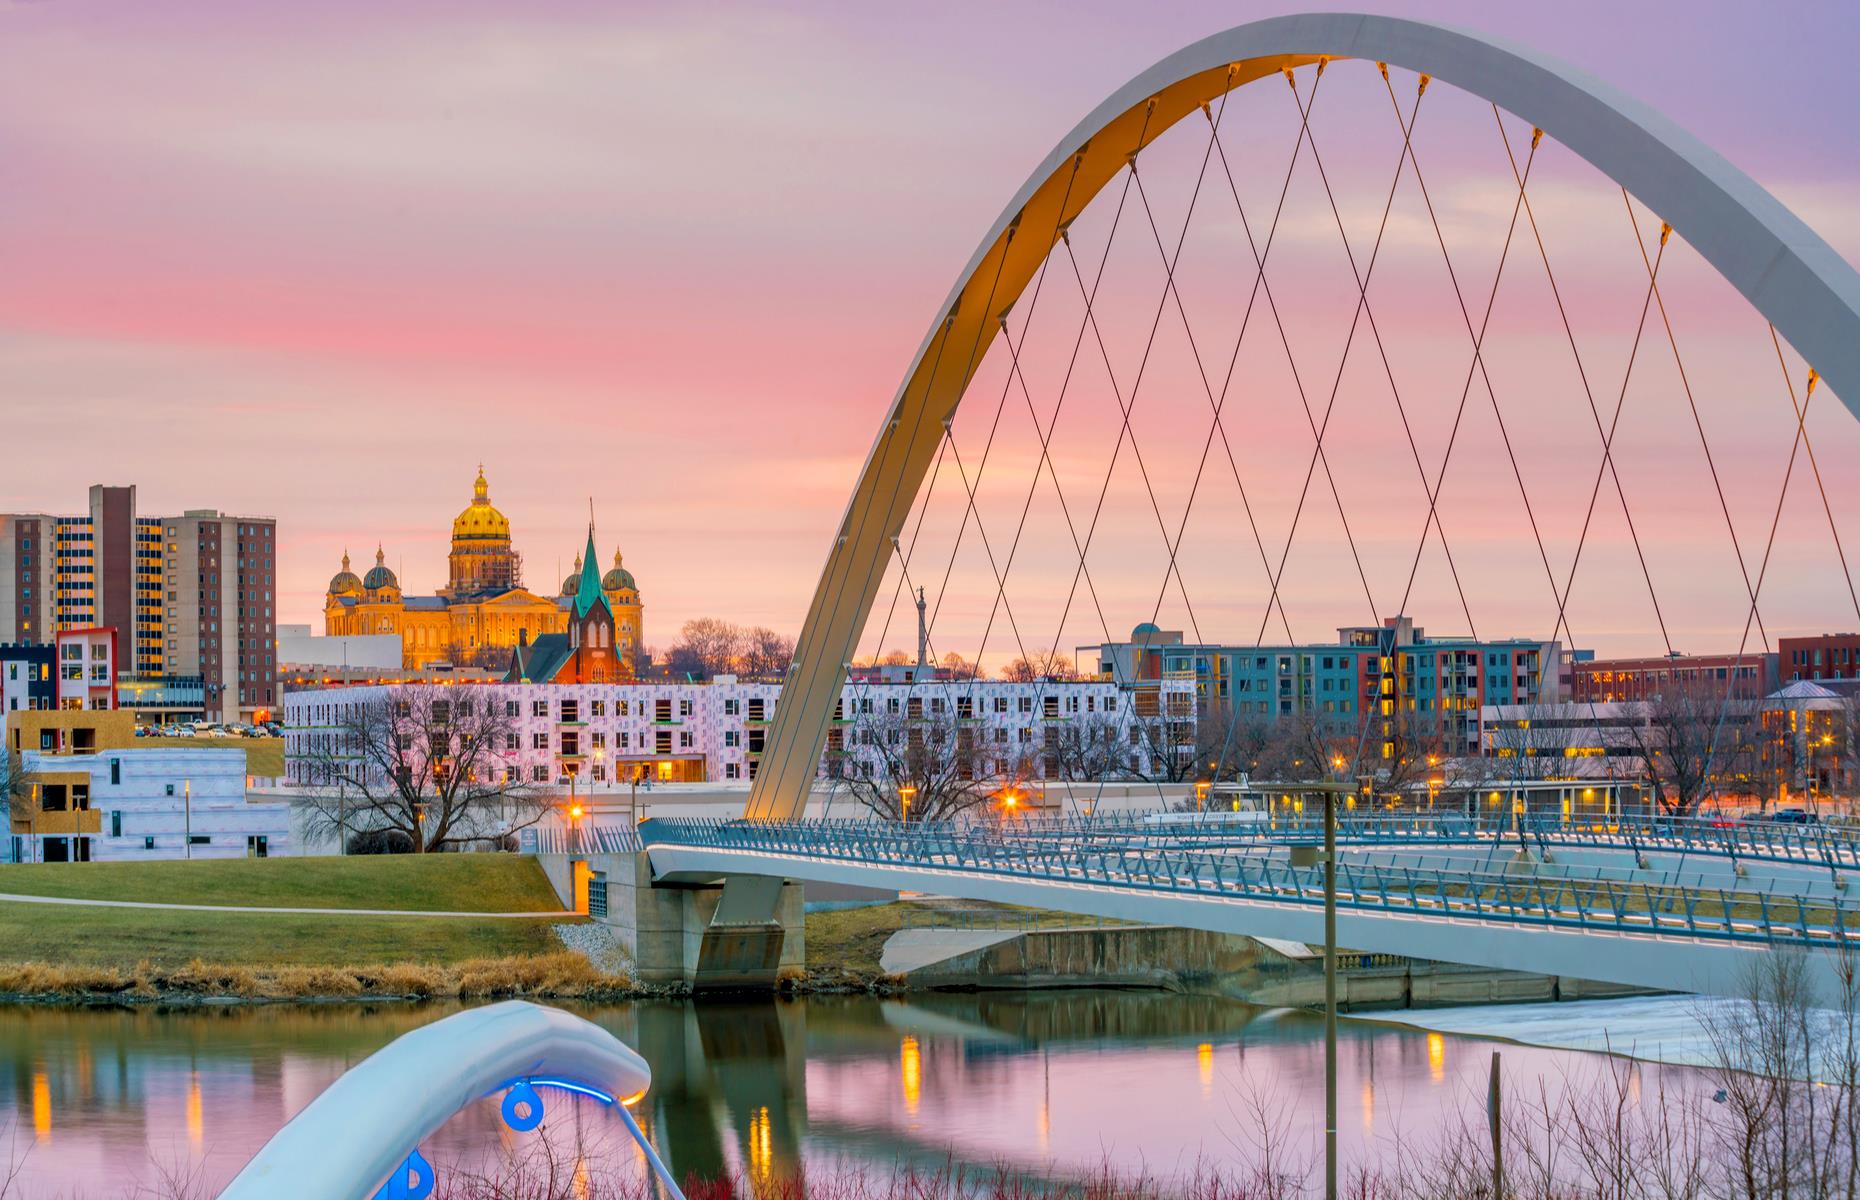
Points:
(103, 1101)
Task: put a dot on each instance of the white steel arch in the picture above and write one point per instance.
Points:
(348, 1140)
(1787, 272)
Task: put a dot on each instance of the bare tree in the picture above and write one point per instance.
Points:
(1693, 740)
(714, 646)
(22, 800)
(944, 765)
(955, 666)
(765, 653)
(1162, 728)
(1534, 742)
(427, 762)
(1041, 664)
(1090, 748)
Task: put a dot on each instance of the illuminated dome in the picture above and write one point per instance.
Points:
(618, 579)
(379, 576)
(573, 582)
(480, 521)
(344, 583)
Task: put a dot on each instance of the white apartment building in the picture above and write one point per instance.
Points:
(611, 735)
(136, 805)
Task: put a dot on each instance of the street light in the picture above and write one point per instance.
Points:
(574, 806)
(1307, 855)
(907, 792)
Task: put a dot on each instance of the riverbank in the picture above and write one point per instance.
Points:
(310, 929)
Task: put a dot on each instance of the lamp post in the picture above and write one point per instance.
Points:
(1307, 855)
(906, 792)
(187, 818)
(574, 807)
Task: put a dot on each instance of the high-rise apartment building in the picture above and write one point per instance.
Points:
(193, 597)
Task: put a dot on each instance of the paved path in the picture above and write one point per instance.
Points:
(17, 898)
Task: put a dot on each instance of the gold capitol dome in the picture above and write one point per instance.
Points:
(481, 520)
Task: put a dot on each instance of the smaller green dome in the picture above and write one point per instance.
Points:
(344, 582)
(573, 581)
(618, 579)
(379, 576)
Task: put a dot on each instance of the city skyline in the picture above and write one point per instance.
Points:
(379, 291)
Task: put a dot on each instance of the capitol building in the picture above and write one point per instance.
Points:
(484, 612)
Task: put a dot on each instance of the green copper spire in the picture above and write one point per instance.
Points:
(589, 593)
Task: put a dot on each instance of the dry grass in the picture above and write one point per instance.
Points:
(561, 975)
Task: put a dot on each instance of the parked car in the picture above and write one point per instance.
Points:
(1783, 816)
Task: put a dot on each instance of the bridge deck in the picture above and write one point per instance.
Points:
(1685, 938)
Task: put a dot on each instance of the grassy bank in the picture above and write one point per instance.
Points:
(141, 953)
(123, 937)
(410, 882)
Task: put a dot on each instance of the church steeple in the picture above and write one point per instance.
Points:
(589, 593)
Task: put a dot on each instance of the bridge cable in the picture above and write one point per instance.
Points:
(1174, 766)
(1730, 688)
(1698, 423)
(948, 443)
(1477, 366)
(1561, 596)
(1801, 420)
(1216, 405)
(1062, 235)
(1362, 277)
(1367, 311)
(1125, 406)
(1171, 758)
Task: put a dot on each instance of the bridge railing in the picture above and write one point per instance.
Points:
(1593, 905)
(587, 839)
(1824, 845)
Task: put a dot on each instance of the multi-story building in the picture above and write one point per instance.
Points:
(1612, 680)
(1389, 674)
(1812, 738)
(191, 596)
(610, 735)
(87, 792)
(26, 683)
(1824, 656)
(87, 668)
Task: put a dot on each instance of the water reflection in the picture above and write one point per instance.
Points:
(1035, 1082)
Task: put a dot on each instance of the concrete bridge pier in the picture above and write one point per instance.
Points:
(735, 932)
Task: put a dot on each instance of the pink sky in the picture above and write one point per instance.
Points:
(318, 261)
